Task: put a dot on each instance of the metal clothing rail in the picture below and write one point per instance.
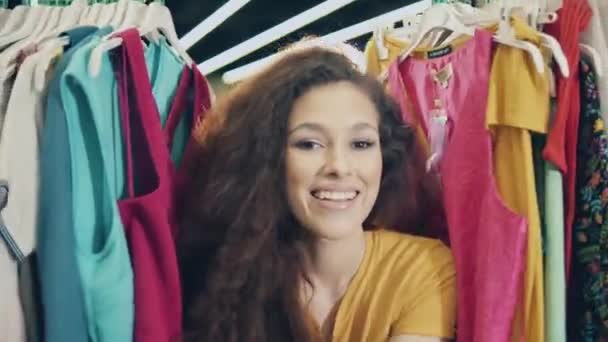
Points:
(5, 3)
(468, 2)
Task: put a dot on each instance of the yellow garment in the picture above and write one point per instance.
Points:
(375, 65)
(405, 285)
(518, 103)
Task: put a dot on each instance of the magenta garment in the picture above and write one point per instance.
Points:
(193, 97)
(487, 239)
(147, 212)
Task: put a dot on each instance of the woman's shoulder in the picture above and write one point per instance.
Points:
(406, 252)
(415, 278)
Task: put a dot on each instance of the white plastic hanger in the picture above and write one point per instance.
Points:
(596, 59)
(437, 17)
(557, 52)
(43, 28)
(4, 14)
(94, 13)
(342, 35)
(54, 19)
(107, 14)
(534, 11)
(442, 16)
(378, 37)
(469, 16)
(540, 15)
(47, 16)
(71, 15)
(134, 16)
(48, 23)
(63, 18)
(530, 9)
(84, 16)
(15, 19)
(120, 13)
(505, 35)
(211, 22)
(34, 19)
(270, 35)
(158, 18)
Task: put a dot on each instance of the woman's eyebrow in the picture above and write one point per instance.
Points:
(310, 126)
(360, 126)
(363, 126)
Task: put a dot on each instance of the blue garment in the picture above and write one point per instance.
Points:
(102, 254)
(165, 69)
(61, 291)
(84, 168)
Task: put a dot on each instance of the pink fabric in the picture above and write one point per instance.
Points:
(147, 212)
(192, 91)
(487, 239)
(193, 97)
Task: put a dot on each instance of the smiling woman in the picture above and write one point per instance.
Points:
(300, 175)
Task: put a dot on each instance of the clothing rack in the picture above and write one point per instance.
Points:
(39, 56)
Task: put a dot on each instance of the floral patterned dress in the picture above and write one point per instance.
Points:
(590, 278)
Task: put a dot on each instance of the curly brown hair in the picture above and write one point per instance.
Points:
(239, 267)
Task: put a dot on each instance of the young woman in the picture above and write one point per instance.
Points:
(300, 174)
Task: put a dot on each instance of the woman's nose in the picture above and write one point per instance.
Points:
(337, 163)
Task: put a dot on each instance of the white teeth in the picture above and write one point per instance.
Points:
(335, 195)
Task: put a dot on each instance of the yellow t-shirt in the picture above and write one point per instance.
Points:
(405, 285)
(375, 65)
(519, 103)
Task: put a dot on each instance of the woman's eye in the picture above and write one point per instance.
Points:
(363, 144)
(307, 145)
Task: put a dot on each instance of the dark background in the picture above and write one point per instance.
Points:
(260, 15)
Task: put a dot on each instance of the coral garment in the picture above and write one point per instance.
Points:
(562, 141)
(486, 237)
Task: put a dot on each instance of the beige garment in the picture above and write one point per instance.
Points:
(7, 78)
(603, 14)
(19, 154)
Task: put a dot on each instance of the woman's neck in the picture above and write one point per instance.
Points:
(331, 264)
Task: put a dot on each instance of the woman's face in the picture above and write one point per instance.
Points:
(333, 159)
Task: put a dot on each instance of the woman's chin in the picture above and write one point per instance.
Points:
(337, 231)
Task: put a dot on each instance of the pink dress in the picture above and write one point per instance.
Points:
(446, 95)
(147, 212)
